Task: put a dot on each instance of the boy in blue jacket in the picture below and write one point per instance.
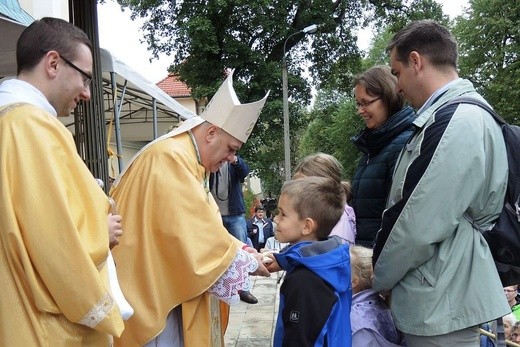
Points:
(316, 294)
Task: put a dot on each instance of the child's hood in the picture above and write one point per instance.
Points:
(329, 259)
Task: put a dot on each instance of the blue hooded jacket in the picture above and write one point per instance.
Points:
(316, 295)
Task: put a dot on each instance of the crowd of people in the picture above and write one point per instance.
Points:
(388, 261)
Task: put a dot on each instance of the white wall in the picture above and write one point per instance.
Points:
(46, 8)
(255, 185)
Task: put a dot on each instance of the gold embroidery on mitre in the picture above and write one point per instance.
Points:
(98, 312)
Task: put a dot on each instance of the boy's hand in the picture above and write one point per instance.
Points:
(262, 270)
(271, 265)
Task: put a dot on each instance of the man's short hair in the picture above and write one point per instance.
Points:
(428, 38)
(259, 208)
(319, 198)
(48, 34)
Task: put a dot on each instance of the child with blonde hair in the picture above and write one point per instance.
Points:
(371, 322)
(315, 296)
(326, 165)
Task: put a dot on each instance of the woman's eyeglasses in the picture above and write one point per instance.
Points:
(365, 104)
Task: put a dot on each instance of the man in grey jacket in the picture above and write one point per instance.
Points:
(438, 269)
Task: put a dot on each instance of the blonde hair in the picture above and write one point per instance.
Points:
(318, 198)
(361, 265)
(323, 165)
(511, 318)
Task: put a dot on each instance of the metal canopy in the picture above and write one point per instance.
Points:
(140, 110)
(137, 97)
(144, 110)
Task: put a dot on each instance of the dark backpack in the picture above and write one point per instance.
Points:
(504, 238)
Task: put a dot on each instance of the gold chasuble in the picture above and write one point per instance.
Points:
(54, 238)
(174, 246)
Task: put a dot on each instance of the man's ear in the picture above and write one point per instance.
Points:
(416, 60)
(309, 226)
(50, 60)
(211, 133)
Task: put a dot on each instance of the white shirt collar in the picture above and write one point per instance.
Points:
(15, 90)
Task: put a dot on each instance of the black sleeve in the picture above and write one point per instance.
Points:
(308, 302)
(252, 229)
(240, 169)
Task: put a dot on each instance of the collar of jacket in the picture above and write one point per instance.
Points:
(373, 141)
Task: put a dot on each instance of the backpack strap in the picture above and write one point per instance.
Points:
(465, 99)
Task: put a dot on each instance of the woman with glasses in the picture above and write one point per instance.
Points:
(388, 125)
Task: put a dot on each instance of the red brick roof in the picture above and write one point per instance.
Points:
(173, 87)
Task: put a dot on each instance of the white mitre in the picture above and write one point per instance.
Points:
(225, 111)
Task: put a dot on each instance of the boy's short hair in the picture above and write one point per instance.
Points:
(319, 198)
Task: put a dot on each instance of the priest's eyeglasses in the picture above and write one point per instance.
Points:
(86, 77)
(365, 104)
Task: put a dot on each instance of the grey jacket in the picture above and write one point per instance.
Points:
(439, 269)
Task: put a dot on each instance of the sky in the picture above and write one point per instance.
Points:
(121, 36)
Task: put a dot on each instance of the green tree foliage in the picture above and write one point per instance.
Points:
(396, 14)
(206, 37)
(489, 44)
(332, 122)
(377, 53)
(249, 201)
(389, 17)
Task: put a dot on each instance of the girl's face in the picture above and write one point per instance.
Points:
(289, 226)
(370, 108)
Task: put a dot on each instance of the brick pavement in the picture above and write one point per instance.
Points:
(253, 325)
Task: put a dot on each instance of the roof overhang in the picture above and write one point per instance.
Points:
(144, 110)
(9, 29)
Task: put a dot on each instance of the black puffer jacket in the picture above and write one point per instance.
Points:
(373, 176)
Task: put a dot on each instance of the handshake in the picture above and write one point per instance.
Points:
(268, 256)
